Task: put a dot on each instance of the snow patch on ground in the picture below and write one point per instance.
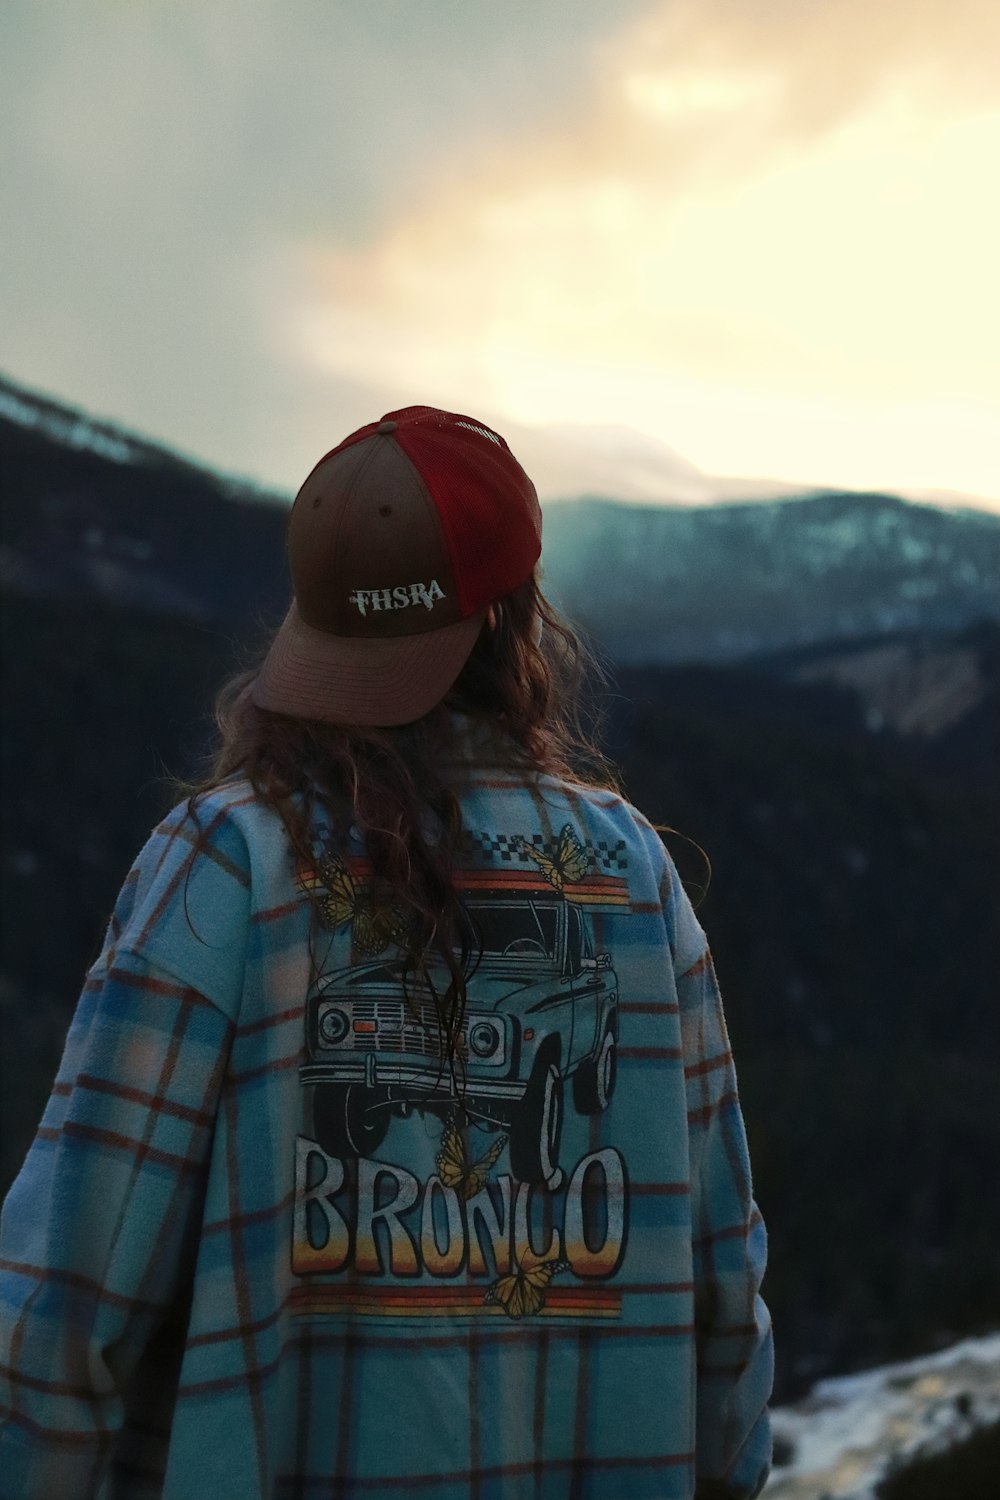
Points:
(842, 1438)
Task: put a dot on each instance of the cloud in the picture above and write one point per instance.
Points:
(777, 213)
(160, 155)
(246, 225)
(825, 61)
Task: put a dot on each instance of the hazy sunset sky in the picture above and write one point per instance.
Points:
(760, 234)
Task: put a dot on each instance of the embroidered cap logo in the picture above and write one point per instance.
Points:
(400, 597)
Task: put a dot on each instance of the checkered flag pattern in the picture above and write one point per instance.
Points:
(606, 855)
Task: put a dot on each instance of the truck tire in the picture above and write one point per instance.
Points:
(594, 1079)
(536, 1128)
(347, 1120)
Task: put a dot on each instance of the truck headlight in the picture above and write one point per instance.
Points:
(484, 1038)
(334, 1025)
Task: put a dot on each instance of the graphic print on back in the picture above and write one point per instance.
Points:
(425, 1192)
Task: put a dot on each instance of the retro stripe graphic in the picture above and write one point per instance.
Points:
(370, 1300)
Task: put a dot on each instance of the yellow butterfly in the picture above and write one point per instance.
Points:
(522, 1293)
(456, 1168)
(568, 863)
(374, 927)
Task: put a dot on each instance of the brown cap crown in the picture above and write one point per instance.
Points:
(366, 548)
(398, 540)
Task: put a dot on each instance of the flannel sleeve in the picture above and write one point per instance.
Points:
(735, 1355)
(99, 1233)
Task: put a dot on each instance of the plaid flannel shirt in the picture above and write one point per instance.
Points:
(253, 1252)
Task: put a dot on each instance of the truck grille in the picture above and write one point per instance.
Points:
(396, 1028)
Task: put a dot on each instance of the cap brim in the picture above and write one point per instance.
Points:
(346, 680)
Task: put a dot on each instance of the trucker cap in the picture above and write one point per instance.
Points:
(399, 540)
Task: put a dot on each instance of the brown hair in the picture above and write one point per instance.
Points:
(534, 696)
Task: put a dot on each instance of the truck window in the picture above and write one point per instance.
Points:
(574, 940)
(516, 929)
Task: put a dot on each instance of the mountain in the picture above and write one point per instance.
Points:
(92, 512)
(934, 694)
(937, 692)
(726, 582)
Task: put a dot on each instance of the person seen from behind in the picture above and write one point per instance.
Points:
(396, 1146)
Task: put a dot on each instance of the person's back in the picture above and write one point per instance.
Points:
(310, 1216)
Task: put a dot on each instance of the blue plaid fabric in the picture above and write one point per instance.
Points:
(259, 1249)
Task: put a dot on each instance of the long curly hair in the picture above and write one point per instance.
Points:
(531, 684)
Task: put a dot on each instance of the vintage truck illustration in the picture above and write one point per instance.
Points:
(542, 1010)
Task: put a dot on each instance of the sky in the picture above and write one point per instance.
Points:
(671, 249)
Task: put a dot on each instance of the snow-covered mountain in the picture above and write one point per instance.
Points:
(851, 1431)
(66, 426)
(724, 582)
(94, 513)
(71, 428)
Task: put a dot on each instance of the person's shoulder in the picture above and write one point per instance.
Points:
(210, 807)
(230, 815)
(606, 804)
(204, 844)
(612, 821)
(653, 876)
(186, 904)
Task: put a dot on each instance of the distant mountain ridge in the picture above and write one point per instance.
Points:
(91, 511)
(726, 582)
(78, 430)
